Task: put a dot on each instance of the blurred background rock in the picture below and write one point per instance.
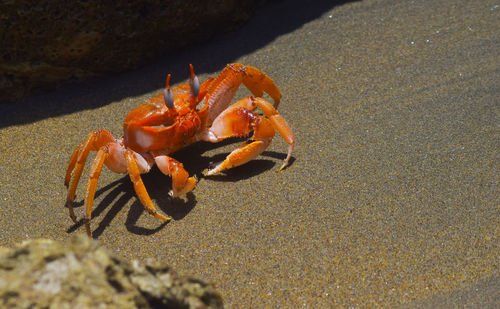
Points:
(50, 42)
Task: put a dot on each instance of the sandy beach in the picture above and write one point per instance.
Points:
(392, 197)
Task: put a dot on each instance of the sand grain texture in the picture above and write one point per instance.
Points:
(392, 197)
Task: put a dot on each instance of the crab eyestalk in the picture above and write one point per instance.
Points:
(194, 83)
(167, 94)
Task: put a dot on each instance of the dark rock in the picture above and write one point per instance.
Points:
(46, 42)
(82, 274)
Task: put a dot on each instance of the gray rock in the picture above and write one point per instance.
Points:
(82, 274)
(46, 42)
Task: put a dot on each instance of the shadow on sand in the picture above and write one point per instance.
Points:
(271, 21)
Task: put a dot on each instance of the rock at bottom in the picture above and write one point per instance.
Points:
(82, 274)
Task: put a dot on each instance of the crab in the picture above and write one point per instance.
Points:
(173, 119)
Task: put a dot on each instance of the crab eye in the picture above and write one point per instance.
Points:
(194, 83)
(168, 97)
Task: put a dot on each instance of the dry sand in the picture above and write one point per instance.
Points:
(392, 197)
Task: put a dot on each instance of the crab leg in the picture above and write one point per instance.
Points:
(238, 120)
(222, 89)
(140, 189)
(94, 141)
(280, 124)
(95, 171)
(181, 182)
(258, 83)
(71, 164)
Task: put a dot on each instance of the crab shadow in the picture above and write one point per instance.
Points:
(120, 192)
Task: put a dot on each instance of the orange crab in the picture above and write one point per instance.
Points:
(173, 120)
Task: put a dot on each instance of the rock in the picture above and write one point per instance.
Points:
(82, 274)
(46, 42)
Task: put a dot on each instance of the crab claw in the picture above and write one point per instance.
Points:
(167, 94)
(194, 83)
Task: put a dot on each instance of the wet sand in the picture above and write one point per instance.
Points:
(392, 197)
